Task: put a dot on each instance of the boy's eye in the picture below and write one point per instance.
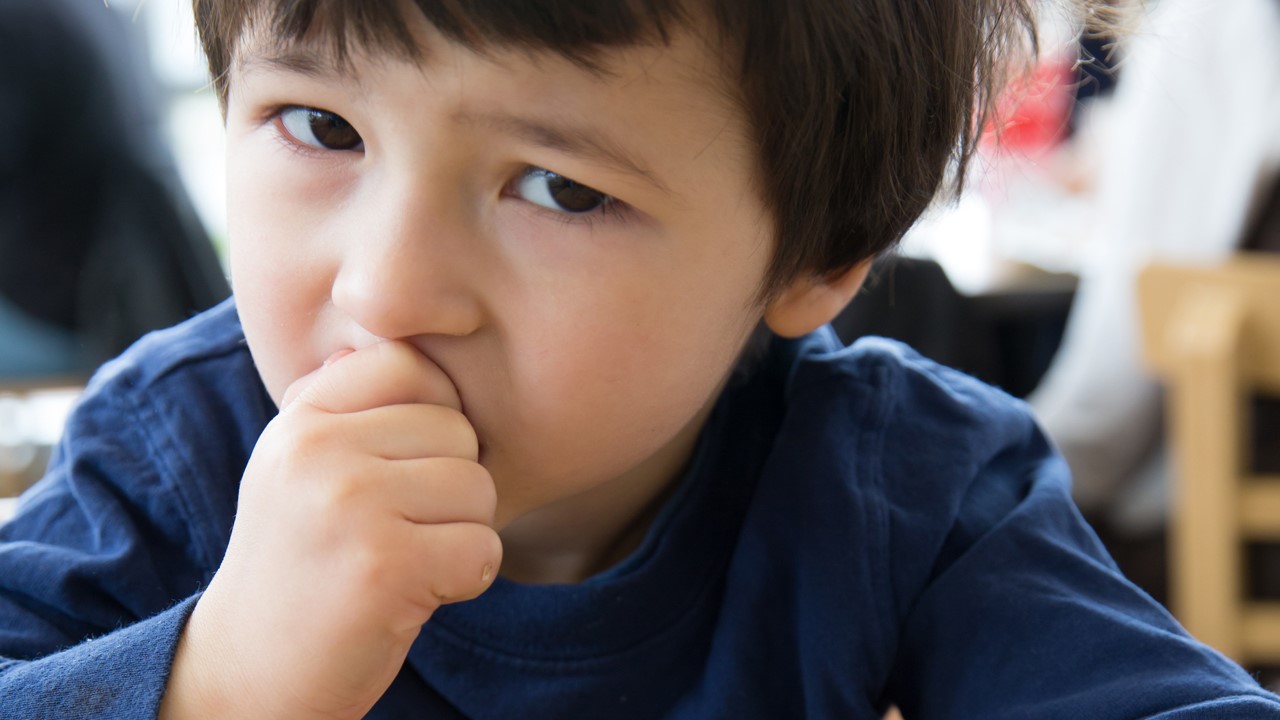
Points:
(319, 129)
(559, 193)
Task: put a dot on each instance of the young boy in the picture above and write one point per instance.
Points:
(500, 266)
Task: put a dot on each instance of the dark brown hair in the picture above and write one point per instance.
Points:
(863, 110)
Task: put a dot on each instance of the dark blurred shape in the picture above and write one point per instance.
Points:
(1263, 231)
(1006, 337)
(1263, 559)
(1097, 69)
(1263, 235)
(98, 241)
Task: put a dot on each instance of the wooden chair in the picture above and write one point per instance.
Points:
(1213, 335)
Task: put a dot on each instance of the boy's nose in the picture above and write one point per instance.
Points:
(404, 272)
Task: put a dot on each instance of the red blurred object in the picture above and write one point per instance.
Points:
(1032, 116)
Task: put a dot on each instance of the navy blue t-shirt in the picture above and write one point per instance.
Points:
(858, 527)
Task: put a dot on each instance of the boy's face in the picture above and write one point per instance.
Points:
(587, 329)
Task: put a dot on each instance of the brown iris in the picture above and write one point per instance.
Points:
(573, 196)
(332, 131)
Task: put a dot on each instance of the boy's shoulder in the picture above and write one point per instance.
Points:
(192, 388)
(206, 342)
(893, 387)
(916, 462)
(918, 428)
(933, 448)
(166, 427)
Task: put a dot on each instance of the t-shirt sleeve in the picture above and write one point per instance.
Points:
(1010, 607)
(120, 675)
(98, 573)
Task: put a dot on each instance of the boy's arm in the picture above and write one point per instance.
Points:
(117, 676)
(1023, 613)
(100, 565)
(97, 546)
(115, 540)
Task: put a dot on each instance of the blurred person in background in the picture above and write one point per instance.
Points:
(1188, 152)
(98, 242)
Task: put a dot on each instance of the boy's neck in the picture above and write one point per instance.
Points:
(580, 536)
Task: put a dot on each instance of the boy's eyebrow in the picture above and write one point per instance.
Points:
(581, 141)
(302, 62)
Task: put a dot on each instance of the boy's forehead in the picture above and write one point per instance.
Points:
(333, 53)
(684, 61)
(317, 53)
(325, 42)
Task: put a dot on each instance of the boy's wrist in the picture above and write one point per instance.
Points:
(197, 684)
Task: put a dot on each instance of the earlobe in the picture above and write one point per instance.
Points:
(811, 302)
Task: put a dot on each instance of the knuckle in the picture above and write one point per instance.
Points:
(370, 570)
(462, 432)
(486, 492)
(306, 434)
(472, 486)
(323, 392)
(292, 448)
(337, 496)
(493, 548)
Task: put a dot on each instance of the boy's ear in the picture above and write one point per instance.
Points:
(810, 302)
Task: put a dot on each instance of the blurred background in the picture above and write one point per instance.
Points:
(110, 200)
(1120, 175)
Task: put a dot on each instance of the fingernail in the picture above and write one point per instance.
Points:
(487, 574)
(337, 356)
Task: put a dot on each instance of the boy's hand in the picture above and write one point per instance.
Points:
(362, 510)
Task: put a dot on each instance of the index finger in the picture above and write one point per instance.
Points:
(391, 372)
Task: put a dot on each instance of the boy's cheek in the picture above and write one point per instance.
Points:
(280, 295)
(279, 333)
